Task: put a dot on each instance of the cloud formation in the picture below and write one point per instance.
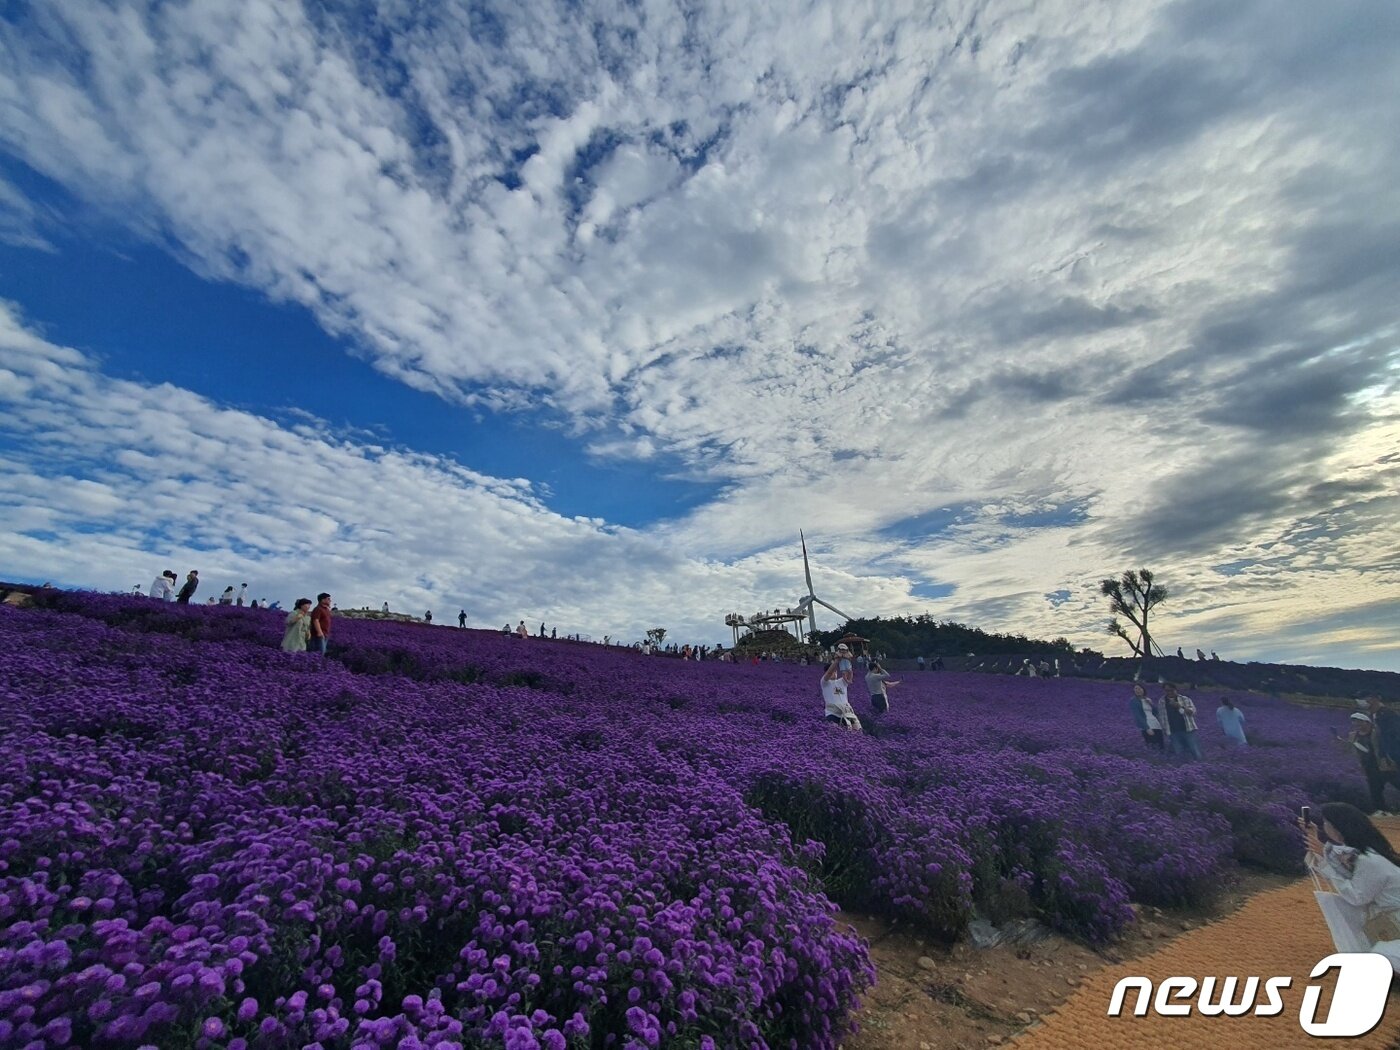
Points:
(857, 265)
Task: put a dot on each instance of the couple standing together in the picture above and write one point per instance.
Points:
(308, 628)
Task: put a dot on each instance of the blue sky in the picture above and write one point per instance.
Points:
(148, 317)
(578, 312)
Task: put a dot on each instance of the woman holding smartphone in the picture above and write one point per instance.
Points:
(1352, 854)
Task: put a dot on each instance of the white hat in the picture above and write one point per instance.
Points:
(843, 648)
(1362, 718)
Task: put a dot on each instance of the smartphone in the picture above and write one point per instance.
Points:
(1306, 814)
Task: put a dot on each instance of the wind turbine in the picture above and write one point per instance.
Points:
(811, 601)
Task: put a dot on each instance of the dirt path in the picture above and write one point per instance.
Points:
(1279, 933)
(1054, 995)
(966, 998)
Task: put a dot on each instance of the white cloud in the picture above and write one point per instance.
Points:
(110, 481)
(855, 263)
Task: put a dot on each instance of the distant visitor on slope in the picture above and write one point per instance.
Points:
(462, 618)
(1214, 657)
(877, 681)
(163, 586)
(1231, 720)
(1351, 853)
(521, 631)
(1181, 723)
(1179, 653)
(320, 624)
(428, 616)
(541, 630)
(1144, 713)
(191, 585)
(137, 592)
(1027, 668)
(1200, 655)
(553, 632)
(835, 698)
(921, 663)
(386, 607)
(298, 632)
(227, 597)
(242, 595)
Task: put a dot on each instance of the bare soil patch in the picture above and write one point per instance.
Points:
(930, 997)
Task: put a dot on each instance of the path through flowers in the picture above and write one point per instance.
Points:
(1278, 933)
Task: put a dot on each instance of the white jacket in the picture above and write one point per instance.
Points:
(836, 700)
(162, 589)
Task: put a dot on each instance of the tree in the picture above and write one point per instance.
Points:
(656, 635)
(1134, 595)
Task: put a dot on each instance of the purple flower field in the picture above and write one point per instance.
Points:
(454, 838)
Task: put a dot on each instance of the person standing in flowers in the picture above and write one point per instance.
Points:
(878, 680)
(320, 624)
(1181, 723)
(1144, 713)
(1353, 855)
(190, 586)
(1231, 720)
(298, 633)
(163, 587)
(1386, 729)
(836, 699)
(1376, 766)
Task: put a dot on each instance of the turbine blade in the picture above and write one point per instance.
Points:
(806, 568)
(833, 608)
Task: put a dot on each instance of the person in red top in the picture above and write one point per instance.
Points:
(320, 624)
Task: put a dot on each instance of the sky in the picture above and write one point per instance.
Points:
(579, 312)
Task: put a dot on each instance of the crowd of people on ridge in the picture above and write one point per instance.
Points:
(163, 589)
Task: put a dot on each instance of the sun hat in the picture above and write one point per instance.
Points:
(1361, 717)
(843, 648)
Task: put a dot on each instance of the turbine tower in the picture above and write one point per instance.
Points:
(808, 605)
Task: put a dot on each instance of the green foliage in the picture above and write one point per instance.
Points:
(907, 637)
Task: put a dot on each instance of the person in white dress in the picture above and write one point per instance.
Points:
(1362, 866)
